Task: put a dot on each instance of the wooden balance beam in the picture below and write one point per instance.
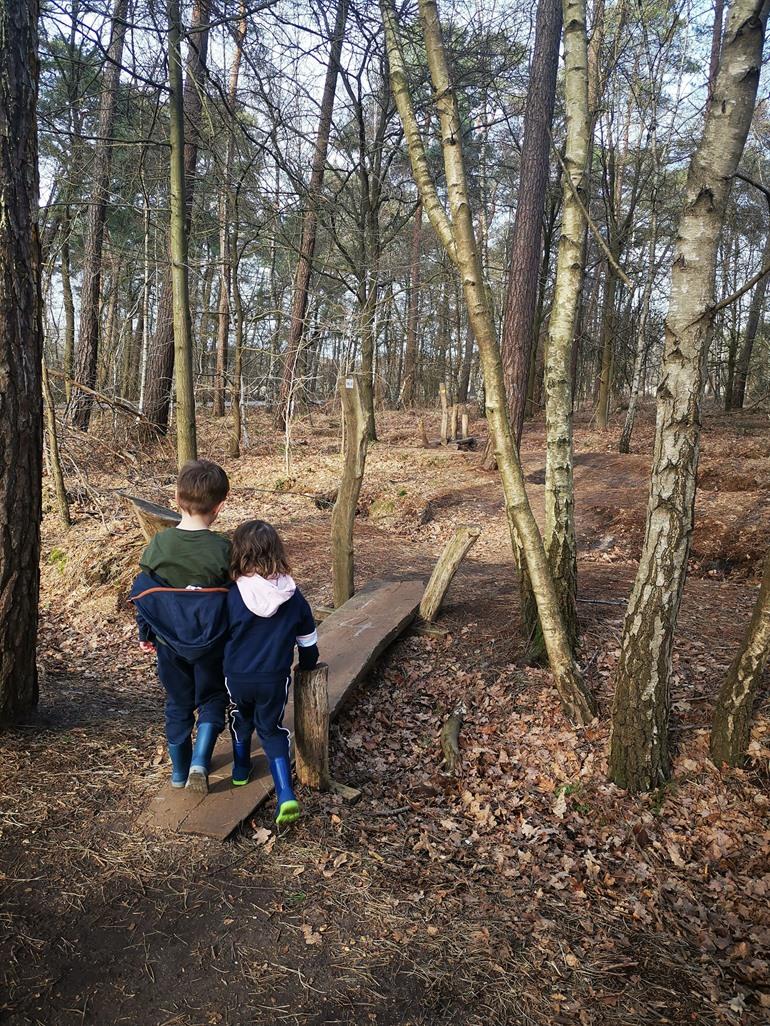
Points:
(350, 639)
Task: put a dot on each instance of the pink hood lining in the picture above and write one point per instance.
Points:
(263, 596)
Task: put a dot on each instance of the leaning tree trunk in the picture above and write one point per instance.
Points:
(304, 270)
(731, 728)
(21, 351)
(560, 542)
(225, 212)
(186, 445)
(159, 365)
(459, 240)
(90, 291)
(639, 756)
(518, 332)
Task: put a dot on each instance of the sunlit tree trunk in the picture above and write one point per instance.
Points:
(68, 302)
(560, 543)
(458, 238)
(307, 244)
(159, 365)
(639, 755)
(21, 351)
(186, 446)
(90, 290)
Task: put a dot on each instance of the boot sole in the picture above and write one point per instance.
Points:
(179, 783)
(288, 813)
(198, 781)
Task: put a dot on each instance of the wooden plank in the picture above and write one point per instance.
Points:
(350, 639)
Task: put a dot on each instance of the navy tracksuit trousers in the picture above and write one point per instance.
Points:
(190, 686)
(259, 704)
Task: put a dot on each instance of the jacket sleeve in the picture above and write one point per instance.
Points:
(307, 638)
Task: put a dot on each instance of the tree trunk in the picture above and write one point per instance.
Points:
(54, 460)
(237, 411)
(225, 210)
(624, 445)
(159, 366)
(518, 333)
(409, 379)
(344, 512)
(609, 329)
(560, 542)
(731, 727)
(68, 357)
(304, 270)
(21, 353)
(459, 240)
(639, 756)
(752, 326)
(186, 446)
(716, 46)
(90, 290)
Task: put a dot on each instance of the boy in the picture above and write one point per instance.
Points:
(180, 598)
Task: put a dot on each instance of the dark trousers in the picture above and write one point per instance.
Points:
(259, 705)
(190, 686)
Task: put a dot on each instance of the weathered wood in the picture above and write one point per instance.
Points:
(446, 567)
(424, 434)
(453, 423)
(351, 639)
(444, 413)
(311, 725)
(344, 512)
(464, 424)
(151, 517)
(450, 739)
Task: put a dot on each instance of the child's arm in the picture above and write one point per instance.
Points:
(307, 639)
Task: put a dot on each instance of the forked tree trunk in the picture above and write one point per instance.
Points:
(560, 542)
(307, 244)
(186, 446)
(159, 365)
(639, 755)
(21, 352)
(458, 239)
(518, 331)
(90, 291)
(731, 727)
(409, 380)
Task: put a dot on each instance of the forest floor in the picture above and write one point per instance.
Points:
(528, 890)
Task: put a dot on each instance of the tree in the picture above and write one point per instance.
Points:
(310, 221)
(738, 395)
(21, 351)
(518, 332)
(639, 756)
(458, 238)
(90, 291)
(731, 729)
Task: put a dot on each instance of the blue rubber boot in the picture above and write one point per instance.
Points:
(286, 799)
(180, 762)
(241, 761)
(205, 739)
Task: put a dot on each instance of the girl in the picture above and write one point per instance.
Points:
(268, 614)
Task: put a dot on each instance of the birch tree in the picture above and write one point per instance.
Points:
(456, 234)
(639, 755)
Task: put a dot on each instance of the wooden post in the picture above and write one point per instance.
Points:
(311, 732)
(424, 434)
(343, 515)
(151, 518)
(446, 567)
(444, 413)
(453, 422)
(464, 430)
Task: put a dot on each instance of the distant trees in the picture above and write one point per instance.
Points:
(21, 350)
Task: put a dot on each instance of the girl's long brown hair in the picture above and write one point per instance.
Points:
(257, 549)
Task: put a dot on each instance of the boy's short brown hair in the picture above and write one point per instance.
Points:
(257, 549)
(201, 486)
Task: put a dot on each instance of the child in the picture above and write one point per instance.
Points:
(267, 614)
(181, 602)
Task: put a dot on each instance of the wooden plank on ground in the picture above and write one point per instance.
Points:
(350, 639)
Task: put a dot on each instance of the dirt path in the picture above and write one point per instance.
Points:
(527, 891)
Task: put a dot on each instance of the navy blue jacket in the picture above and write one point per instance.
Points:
(191, 621)
(262, 647)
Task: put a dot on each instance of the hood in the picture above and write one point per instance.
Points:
(263, 595)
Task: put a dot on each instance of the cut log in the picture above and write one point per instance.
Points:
(311, 726)
(450, 739)
(151, 517)
(464, 423)
(424, 434)
(446, 567)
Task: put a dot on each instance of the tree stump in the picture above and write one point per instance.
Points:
(446, 567)
(151, 517)
(311, 732)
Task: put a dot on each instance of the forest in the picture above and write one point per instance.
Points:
(459, 293)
